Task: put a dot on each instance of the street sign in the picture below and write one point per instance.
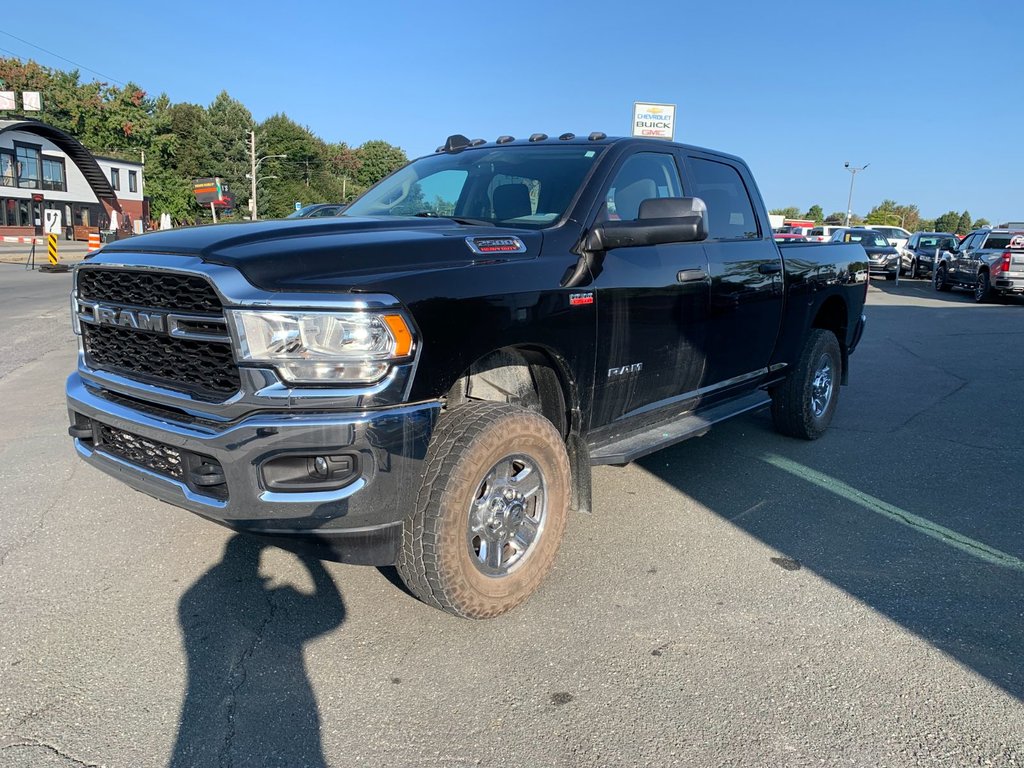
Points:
(654, 121)
(30, 101)
(298, 206)
(52, 222)
(7, 100)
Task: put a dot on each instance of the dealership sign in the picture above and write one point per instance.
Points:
(654, 121)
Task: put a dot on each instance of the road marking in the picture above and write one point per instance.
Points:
(909, 519)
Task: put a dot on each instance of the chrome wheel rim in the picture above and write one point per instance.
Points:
(507, 515)
(821, 386)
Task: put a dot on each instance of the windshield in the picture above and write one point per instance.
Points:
(529, 187)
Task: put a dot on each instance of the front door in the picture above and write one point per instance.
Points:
(652, 303)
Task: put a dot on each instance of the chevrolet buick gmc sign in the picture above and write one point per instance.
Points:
(654, 121)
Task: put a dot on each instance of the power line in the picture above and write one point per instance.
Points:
(62, 58)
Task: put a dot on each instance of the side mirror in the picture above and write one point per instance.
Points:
(661, 220)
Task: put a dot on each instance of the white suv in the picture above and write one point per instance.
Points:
(822, 234)
(897, 236)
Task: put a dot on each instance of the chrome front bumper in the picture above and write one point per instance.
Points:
(363, 519)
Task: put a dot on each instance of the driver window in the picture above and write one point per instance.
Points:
(643, 176)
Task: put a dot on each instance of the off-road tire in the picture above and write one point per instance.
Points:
(792, 411)
(939, 279)
(435, 561)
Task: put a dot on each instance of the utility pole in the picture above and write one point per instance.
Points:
(853, 178)
(252, 175)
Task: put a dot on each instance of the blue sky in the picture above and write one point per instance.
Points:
(929, 93)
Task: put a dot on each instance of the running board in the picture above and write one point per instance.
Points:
(635, 445)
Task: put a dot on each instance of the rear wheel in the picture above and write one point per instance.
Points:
(490, 512)
(803, 405)
(940, 279)
(983, 288)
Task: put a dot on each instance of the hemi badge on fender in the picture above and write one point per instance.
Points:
(495, 245)
(579, 299)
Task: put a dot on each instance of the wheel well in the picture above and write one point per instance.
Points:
(528, 377)
(832, 316)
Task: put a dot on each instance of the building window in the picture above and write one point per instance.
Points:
(8, 213)
(115, 178)
(27, 165)
(6, 168)
(53, 174)
(133, 181)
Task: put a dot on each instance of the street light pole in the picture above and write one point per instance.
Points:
(255, 166)
(853, 177)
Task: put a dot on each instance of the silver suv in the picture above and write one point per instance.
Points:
(990, 262)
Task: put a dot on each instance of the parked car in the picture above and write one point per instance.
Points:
(882, 258)
(897, 236)
(918, 256)
(788, 237)
(431, 391)
(990, 262)
(316, 211)
(823, 233)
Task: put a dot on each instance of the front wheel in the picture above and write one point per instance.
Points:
(939, 279)
(913, 269)
(803, 405)
(490, 513)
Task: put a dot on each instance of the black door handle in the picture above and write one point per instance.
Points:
(691, 275)
(769, 268)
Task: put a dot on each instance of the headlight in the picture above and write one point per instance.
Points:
(322, 347)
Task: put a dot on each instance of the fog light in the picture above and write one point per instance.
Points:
(292, 473)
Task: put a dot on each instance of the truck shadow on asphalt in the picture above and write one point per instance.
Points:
(908, 503)
(249, 695)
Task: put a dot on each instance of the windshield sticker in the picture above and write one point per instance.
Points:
(1017, 241)
(581, 299)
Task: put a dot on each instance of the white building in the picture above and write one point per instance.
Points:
(42, 167)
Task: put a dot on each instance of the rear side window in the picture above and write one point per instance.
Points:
(730, 212)
(1006, 242)
(816, 231)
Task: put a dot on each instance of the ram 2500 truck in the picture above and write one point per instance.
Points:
(426, 380)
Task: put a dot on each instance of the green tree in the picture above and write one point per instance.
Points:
(947, 222)
(838, 218)
(230, 123)
(981, 224)
(377, 159)
(790, 212)
(963, 226)
(816, 214)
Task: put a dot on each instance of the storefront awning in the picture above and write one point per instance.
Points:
(74, 149)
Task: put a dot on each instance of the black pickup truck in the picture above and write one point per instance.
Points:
(426, 380)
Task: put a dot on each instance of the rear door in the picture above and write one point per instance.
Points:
(746, 274)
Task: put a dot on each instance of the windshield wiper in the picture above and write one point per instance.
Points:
(456, 219)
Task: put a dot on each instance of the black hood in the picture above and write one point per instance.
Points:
(297, 254)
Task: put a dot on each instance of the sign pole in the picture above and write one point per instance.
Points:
(30, 262)
(213, 210)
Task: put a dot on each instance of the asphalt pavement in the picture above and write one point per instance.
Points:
(742, 599)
